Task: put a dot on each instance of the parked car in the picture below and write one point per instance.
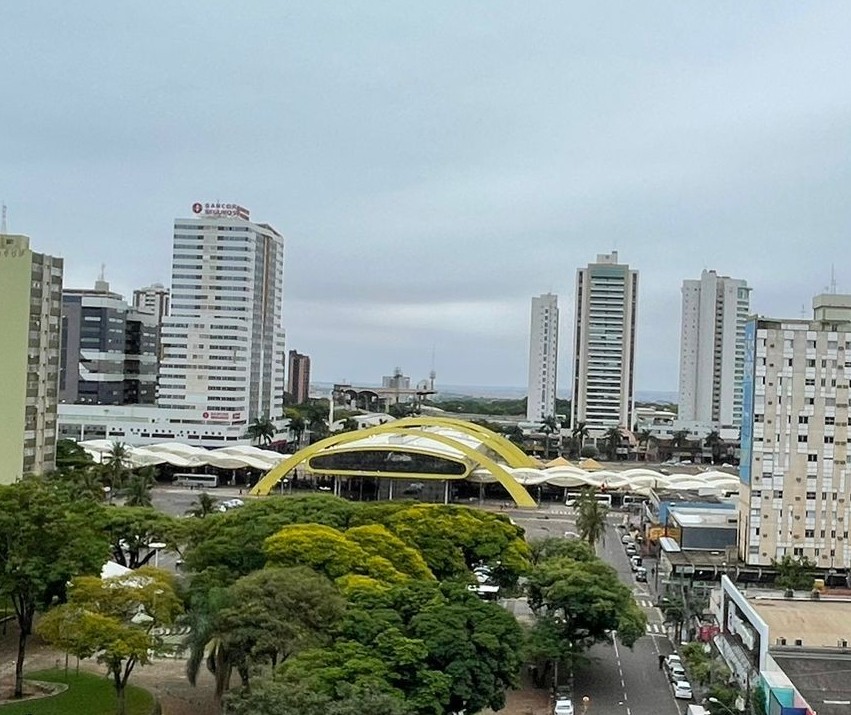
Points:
(563, 707)
(631, 550)
(682, 690)
(671, 659)
(641, 574)
(231, 504)
(635, 562)
(627, 539)
(676, 671)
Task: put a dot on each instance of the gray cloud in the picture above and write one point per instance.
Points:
(433, 166)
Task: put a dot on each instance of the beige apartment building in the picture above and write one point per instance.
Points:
(31, 296)
(796, 497)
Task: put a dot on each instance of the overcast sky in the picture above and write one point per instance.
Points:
(434, 165)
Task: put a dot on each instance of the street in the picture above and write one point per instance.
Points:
(617, 680)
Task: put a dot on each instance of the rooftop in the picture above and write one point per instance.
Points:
(822, 680)
(706, 518)
(817, 623)
(691, 496)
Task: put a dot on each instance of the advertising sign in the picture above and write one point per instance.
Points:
(217, 208)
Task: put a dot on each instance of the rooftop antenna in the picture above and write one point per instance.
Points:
(3, 220)
(832, 280)
(803, 311)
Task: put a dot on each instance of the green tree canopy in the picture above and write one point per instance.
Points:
(114, 620)
(130, 529)
(794, 572)
(45, 540)
(590, 517)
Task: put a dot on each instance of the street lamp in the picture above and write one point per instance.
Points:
(716, 701)
(156, 546)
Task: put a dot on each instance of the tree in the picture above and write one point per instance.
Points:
(580, 433)
(130, 530)
(296, 425)
(45, 540)
(138, 488)
(590, 517)
(261, 431)
(515, 434)
(114, 620)
(350, 425)
(644, 438)
(589, 451)
(548, 426)
(204, 505)
(613, 439)
(71, 456)
(794, 572)
(679, 439)
(714, 442)
(116, 466)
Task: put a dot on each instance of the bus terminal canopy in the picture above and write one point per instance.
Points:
(444, 448)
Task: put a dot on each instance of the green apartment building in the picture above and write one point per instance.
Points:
(30, 323)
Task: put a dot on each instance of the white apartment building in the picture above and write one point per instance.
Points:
(543, 358)
(796, 496)
(223, 343)
(604, 345)
(153, 299)
(715, 310)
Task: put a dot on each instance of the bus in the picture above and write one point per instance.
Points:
(634, 499)
(205, 481)
(604, 499)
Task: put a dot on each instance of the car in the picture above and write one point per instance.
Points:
(631, 550)
(563, 707)
(641, 574)
(676, 671)
(682, 690)
(627, 539)
(635, 562)
(563, 692)
(672, 658)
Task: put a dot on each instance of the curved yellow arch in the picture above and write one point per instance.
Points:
(505, 448)
(514, 488)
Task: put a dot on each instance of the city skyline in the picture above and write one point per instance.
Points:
(428, 181)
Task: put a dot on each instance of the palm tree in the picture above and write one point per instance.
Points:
(580, 433)
(714, 442)
(613, 438)
(515, 434)
(203, 506)
(138, 490)
(296, 426)
(261, 431)
(644, 438)
(590, 518)
(679, 440)
(116, 466)
(548, 425)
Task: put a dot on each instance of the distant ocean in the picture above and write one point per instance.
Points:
(504, 393)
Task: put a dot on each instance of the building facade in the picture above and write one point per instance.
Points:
(604, 345)
(154, 299)
(109, 350)
(794, 498)
(543, 358)
(223, 342)
(31, 296)
(715, 310)
(298, 377)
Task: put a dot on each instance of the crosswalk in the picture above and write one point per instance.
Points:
(655, 629)
(644, 602)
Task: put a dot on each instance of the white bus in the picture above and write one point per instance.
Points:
(572, 497)
(205, 481)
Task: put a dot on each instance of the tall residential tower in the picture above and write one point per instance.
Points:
(31, 296)
(715, 310)
(604, 345)
(223, 342)
(298, 377)
(543, 358)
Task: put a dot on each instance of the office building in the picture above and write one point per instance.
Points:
(31, 296)
(715, 310)
(223, 342)
(298, 377)
(153, 299)
(109, 350)
(604, 345)
(794, 498)
(543, 358)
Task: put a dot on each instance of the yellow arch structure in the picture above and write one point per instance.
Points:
(515, 489)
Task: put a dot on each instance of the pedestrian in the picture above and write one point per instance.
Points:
(661, 661)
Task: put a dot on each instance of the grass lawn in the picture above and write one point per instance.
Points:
(87, 693)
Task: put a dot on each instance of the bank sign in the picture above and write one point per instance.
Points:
(220, 209)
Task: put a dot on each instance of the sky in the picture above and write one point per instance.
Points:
(435, 165)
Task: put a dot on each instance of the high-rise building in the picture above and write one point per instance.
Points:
(223, 342)
(604, 345)
(715, 310)
(109, 350)
(794, 497)
(152, 299)
(31, 296)
(298, 377)
(543, 358)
